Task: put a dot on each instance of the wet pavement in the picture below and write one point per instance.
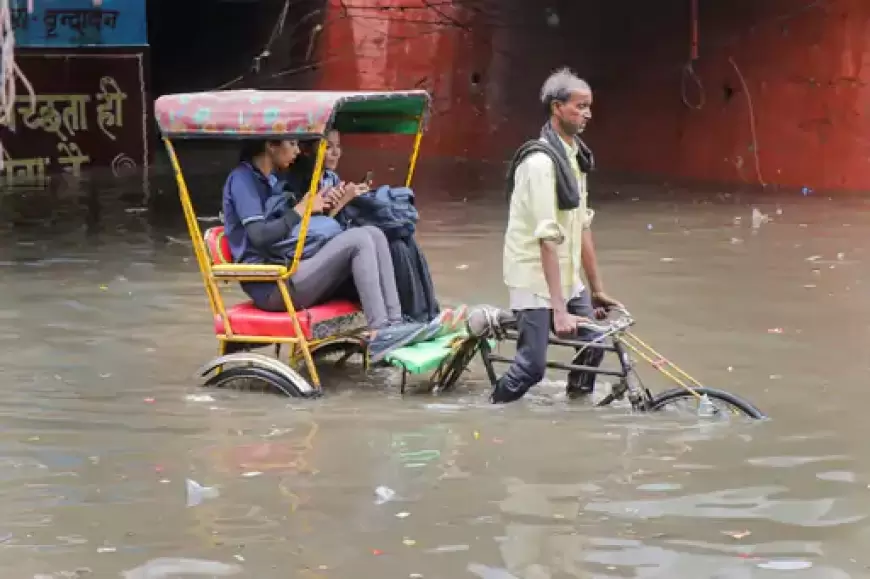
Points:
(105, 322)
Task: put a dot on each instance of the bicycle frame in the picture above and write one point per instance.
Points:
(623, 343)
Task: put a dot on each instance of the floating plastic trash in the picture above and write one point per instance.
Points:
(196, 493)
(758, 218)
(171, 566)
(384, 495)
(785, 565)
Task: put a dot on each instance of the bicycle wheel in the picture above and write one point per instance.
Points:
(254, 378)
(734, 403)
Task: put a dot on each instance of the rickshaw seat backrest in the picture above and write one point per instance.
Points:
(218, 246)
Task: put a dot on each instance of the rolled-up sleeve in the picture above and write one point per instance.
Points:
(538, 170)
(587, 219)
(245, 199)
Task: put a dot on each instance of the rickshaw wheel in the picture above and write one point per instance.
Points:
(248, 371)
(252, 378)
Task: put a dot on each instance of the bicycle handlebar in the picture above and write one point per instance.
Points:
(620, 324)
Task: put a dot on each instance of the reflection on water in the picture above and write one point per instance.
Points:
(105, 321)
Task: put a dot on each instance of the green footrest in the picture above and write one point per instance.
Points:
(423, 357)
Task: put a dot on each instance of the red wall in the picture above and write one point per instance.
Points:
(803, 64)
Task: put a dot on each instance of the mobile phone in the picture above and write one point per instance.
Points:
(369, 177)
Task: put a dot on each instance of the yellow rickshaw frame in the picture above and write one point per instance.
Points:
(330, 108)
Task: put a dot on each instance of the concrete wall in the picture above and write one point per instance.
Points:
(804, 108)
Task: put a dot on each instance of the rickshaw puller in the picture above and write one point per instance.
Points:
(548, 239)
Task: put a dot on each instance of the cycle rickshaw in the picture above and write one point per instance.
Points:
(335, 328)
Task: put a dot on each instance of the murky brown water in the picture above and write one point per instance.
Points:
(103, 422)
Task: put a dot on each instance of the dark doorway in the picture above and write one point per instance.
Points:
(200, 45)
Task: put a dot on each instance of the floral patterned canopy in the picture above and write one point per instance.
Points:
(250, 113)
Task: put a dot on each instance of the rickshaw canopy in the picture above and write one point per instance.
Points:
(241, 114)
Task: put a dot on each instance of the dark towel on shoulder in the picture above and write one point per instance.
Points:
(566, 185)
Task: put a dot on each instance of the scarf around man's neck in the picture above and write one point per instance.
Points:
(567, 191)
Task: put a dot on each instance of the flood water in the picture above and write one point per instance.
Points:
(103, 422)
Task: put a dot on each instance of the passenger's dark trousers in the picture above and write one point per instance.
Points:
(529, 365)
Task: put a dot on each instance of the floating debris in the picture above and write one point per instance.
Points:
(199, 398)
(171, 566)
(196, 493)
(785, 565)
(758, 218)
(384, 495)
(737, 534)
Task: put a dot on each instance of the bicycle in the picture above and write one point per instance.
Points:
(616, 338)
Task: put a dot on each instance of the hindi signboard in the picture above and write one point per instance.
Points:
(90, 110)
(78, 23)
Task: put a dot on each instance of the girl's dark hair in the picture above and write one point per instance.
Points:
(302, 170)
(253, 147)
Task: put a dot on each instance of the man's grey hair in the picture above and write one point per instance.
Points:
(559, 86)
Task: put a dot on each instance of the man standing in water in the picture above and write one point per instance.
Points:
(549, 239)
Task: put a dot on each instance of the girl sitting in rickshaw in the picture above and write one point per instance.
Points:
(258, 216)
(413, 279)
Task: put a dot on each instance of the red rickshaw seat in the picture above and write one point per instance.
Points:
(317, 322)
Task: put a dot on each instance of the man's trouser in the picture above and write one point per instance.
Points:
(530, 362)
